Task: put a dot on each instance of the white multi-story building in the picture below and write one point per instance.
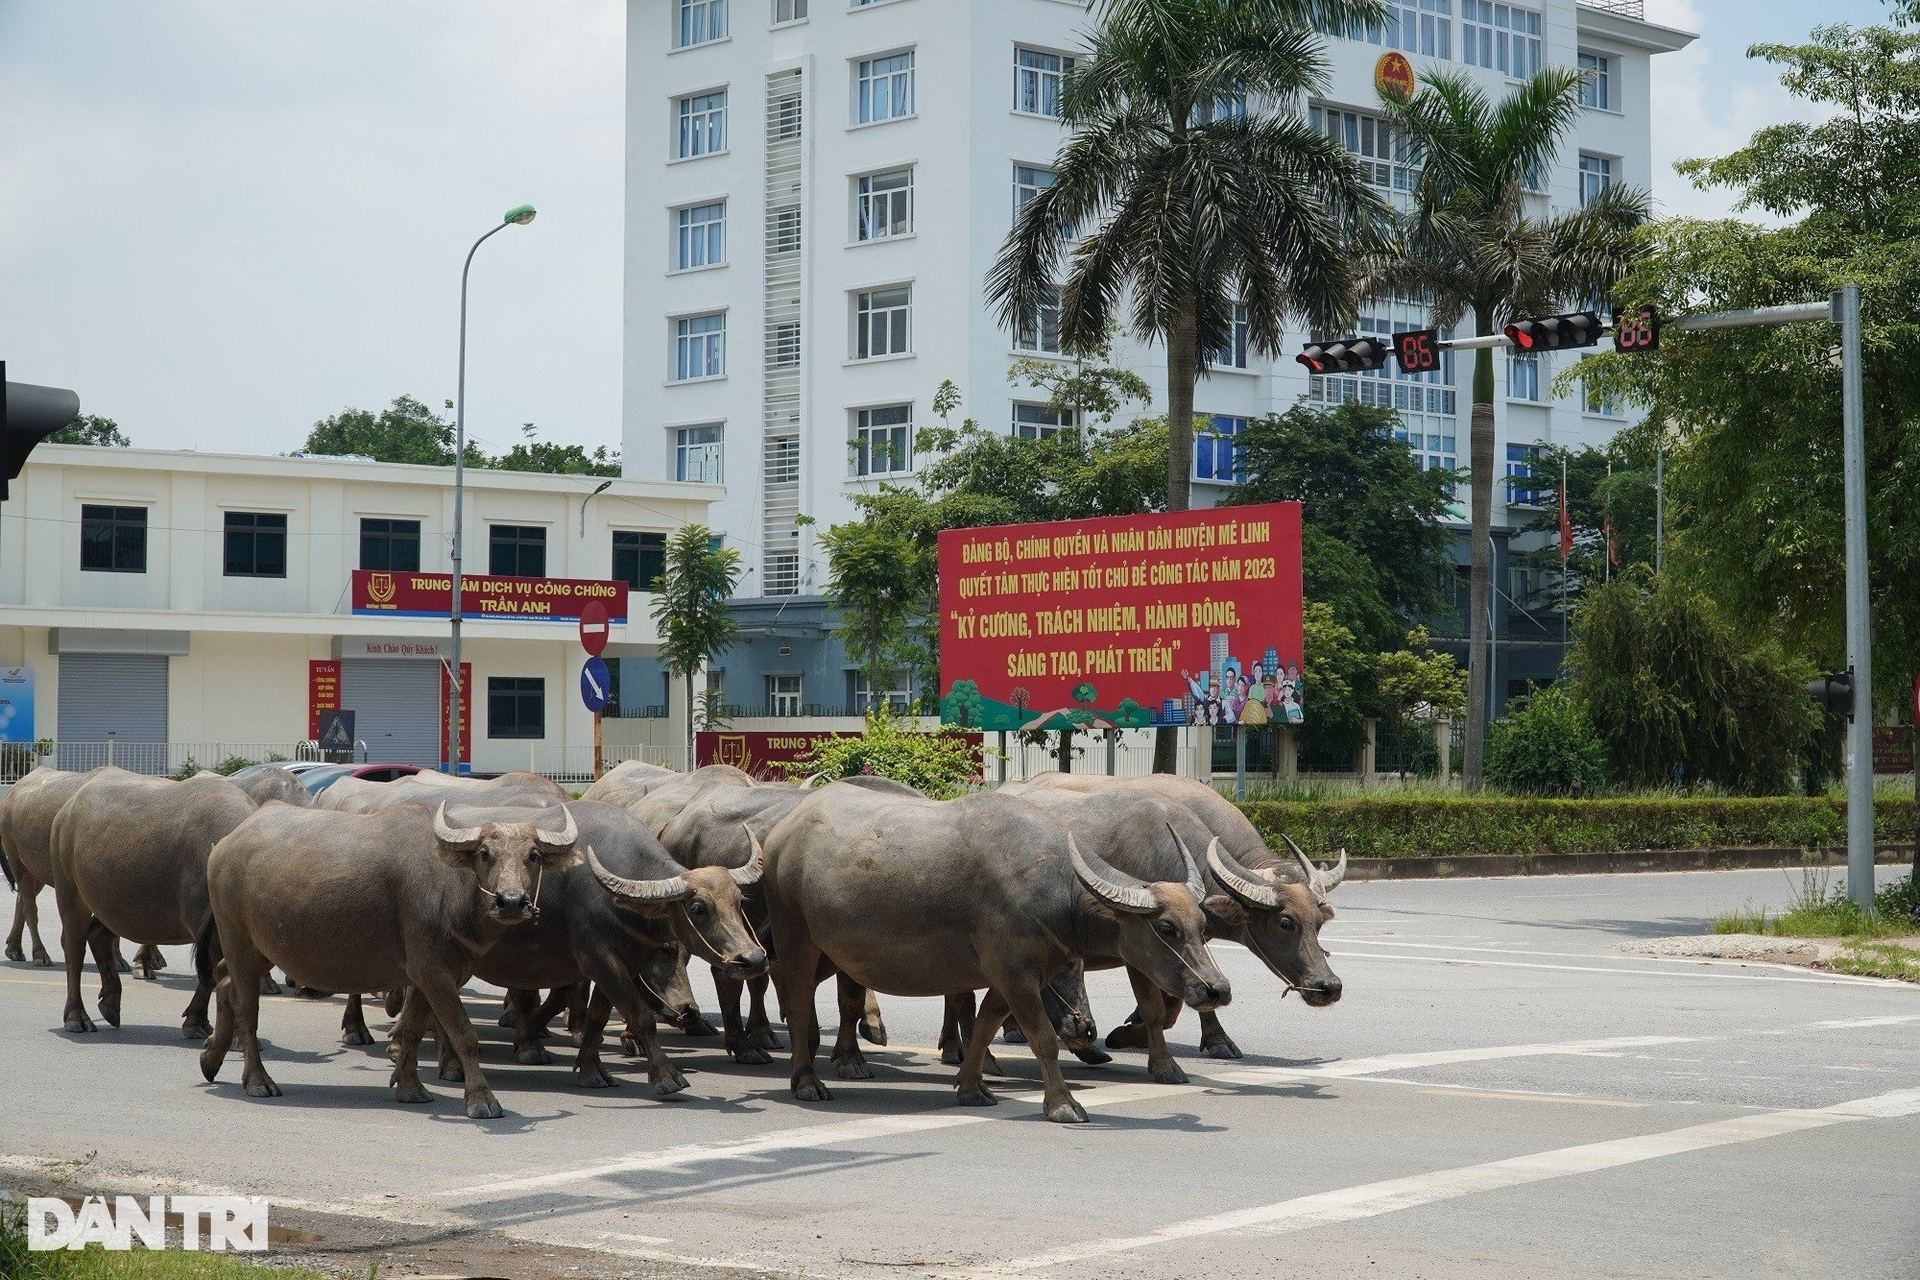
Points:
(817, 189)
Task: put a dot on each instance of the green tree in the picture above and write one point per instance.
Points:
(878, 581)
(556, 459)
(1610, 504)
(1185, 203)
(1415, 676)
(91, 428)
(1546, 745)
(690, 607)
(405, 431)
(1471, 245)
(1340, 673)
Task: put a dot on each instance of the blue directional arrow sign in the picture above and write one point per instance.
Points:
(596, 684)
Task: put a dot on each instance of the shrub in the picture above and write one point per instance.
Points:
(942, 762)
(1546, 746)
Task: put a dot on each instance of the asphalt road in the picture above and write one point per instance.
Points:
(1501, 1094)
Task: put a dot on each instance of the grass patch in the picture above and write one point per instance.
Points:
(17, 1262)
(1818, 907)
(1878, 960)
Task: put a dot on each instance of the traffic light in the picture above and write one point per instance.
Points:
(1636, 330)
(1552, 333)
(1345, 355)
(28, 415)
(1418, 350)
(1834, 693)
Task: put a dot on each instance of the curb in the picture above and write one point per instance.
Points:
(1613, 862)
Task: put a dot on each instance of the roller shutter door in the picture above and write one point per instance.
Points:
(118, 696)
(396, 706)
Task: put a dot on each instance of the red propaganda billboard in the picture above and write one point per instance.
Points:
(1190, 617)
(323, 694)
(378, 593)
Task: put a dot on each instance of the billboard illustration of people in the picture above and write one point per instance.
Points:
(1189, 617)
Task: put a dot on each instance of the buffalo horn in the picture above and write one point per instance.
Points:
(561, 839)
(1123, 897)
(1238, 881)
(1320, 880)
(749, 875)
(671, 889)
(1195, 884)
(463, 839)
(1339, 873)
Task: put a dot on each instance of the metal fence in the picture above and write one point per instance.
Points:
(157, 758)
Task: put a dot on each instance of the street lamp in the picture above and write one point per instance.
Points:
(518, 216)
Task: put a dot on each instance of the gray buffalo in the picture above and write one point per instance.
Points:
(129, 858)
(275, 784)
(911, 896)
(369, 902)
(26, 822)
(631, 781)
(512, 790)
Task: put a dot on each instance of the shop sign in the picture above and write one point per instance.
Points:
(381, 593)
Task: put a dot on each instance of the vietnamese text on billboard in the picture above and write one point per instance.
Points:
(1190, 617)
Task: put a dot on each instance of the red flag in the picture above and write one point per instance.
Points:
(1566, 526)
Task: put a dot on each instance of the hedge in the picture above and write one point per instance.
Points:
(1388, 827)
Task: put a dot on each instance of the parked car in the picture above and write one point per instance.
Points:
(295, 767)
(318, 780)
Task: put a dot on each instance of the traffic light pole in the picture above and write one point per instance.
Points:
(1842, 309)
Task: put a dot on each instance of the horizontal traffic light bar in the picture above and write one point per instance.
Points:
(1555, 333)
(1417, 350)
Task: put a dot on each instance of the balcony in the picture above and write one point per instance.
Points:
(1635, 9)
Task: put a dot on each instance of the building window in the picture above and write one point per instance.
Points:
(1523, 375)
(1523, 469)
(1037, 78)
(113, 539)
(517, 550)
(783, 345)
(1597, 89)
(1415, 26)
(702, 238)
(1028, 182)
(883, 205)
(639, 558)
(883, 440)
(1234, 354)
(1215, 455)
(881, 322)
(1386, 160)
(782, 460)
(1597, 402)
(783, 229)
(703, 124)
(884, 89)
(1040, 333)
(701, 21)
(782, 573)
(700, 346)
(697, 454)
(1427, 403)
(1503, 37)
(897, 692)
(789, 11)
(256, 544)
(783, 695)
(1227, 106)
(390, 544)
(1039, 421)
(516, 707)
(1596, 175)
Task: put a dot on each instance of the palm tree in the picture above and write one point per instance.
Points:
(690, 608)
(1191, 199)
(1472, 247)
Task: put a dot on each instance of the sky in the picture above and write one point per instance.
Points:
(225, 220)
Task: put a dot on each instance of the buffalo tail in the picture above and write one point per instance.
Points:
(206, 951)
(6, 869)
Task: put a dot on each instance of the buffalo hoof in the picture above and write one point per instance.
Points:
(356, 1036)
(594, 1079)
(14, 952)
(669, 1083)
(268, 987)
(532, 1056)
(110, 1010)
(505, 1019)
(950, 1055)
(694, 1024)
(121, 962)
(810, 1089)
(1013, 1034)
(1128, 1035)
(80, 1025)
(454, 1072)
(195, 1030)
(210, 1064)
(1093, 1057)
(852, 1067)
(1221, 1049)
(989, 1067)
(978, 1096)
(1068, 1112)
(41, 958)
(1172, 1075)
(484, 1108)
(411, 1093)
(751, 1055)
(263, 1088)
(766, 1039)
(873, 1031)
(629, 1046)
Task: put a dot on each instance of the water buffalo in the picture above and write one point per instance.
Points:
(629, 781)
(514, 790)
(1247, 850)
(275, 784)
(912, 896)
(360, 902)
(26, 820)
(649, 908)
(129, 858)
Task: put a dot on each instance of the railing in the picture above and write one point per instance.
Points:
(573, 766)
(157, 758)
(1626, 8)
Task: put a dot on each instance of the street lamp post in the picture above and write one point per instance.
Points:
(520, 216)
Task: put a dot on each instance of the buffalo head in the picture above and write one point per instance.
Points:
(507, 859)
(1163, 932)
(1278, 918)
(703, 907)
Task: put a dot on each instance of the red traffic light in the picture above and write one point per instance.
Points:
(1345, 355)
(1554, 333)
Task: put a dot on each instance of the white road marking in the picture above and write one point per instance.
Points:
(1827, 979)
(1348, 1068)
(1394, 1194)
(1494, 1095)
(1842, 1024)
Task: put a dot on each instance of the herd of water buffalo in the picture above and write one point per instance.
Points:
(413, 887)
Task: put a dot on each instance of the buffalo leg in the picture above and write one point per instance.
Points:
(120, 964)
(26, 914)
(1214, 1040)
(848, 1062)
(353, 1022)
(558, 999)
(456, 1030)
(241, 988)
(214, 1053)
(80, 933)
(759, 1029)
(522, 1006)
(612, 982)
(148, 961)
(970, 1085)
(872, 1026)
(1024, 998)
(404, 1048)
(740, 1045)
(589, 1072)
(956, 1032)
(193, 1019)
(1160, 1064)
(801, 968)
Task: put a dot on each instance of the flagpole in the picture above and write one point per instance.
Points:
(1565, 525)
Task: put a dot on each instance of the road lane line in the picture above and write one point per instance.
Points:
(1392, 1195)
(1823, 978)
(1842, 1024)
(1442, 1091)
(1351, 1067)
(811, 1136)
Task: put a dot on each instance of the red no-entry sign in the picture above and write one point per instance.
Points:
(594, 630)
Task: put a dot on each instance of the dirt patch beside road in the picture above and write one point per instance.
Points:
(1768, 948)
